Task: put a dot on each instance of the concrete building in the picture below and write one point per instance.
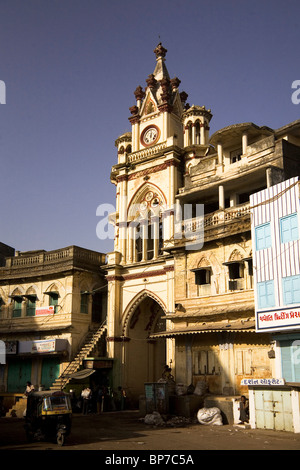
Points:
(50, 300)
(276, 260)
(171, 299)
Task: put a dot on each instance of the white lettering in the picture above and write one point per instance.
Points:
(2, 92)
(296, 94)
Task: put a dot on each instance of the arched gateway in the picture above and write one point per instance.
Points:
(143, 358)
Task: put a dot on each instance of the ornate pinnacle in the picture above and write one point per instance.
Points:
(151, 81)
(160, 51)
(139, 93)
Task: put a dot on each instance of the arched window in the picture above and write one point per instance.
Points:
(145, 233)
(197, 133)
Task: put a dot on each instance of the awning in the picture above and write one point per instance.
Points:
(215, 309)
(234, 327)
(81, 374)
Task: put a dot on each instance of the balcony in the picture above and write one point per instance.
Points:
(217, 224)
(39, 262)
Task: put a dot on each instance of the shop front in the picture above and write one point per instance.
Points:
(36, 361)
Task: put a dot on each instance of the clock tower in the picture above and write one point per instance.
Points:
(140, 272)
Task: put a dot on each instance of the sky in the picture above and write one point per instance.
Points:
(68, 70)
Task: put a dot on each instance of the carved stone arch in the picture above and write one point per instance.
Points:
(203, 263)
(55, 286)
(18, 291)
(52, 288)
(133, 305)
(32, 290)
(235, 255)
(139, 197)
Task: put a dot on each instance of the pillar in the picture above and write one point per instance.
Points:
(221, 197)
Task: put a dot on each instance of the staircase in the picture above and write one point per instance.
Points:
(91, 341)
(17, 411)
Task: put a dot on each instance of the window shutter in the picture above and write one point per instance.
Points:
(263, 236)
(289, 228)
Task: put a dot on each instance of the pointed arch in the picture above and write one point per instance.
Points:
(133, 305)
(32, 290)
(140, 195)
(235, 255)
(18, 291)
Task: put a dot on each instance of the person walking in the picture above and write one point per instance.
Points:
(86, 395)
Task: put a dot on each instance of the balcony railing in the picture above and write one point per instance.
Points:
(65, 254)
(217, 218)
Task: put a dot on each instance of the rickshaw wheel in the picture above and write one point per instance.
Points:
(60, 439)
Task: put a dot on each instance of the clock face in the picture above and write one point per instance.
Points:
(150, 135)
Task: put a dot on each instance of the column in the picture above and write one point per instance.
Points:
(144, 224)
(134, 235)
(220, 154)
(193, 133)
(202, 133)
(155, 221)
(221, 197)
(244, 143)
(130, 243)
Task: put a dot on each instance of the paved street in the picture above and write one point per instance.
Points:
(124, 431)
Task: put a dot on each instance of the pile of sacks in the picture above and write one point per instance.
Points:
(210, 416)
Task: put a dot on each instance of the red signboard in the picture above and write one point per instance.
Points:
(45, 311)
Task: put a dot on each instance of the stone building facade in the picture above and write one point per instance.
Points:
(49, 301)
(172, 299)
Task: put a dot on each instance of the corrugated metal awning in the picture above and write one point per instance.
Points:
(234, 327)
(81, 374)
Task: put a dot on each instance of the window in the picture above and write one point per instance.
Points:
(97, 302)
(290, 366)
(84, 297)
(17, 307)
(263, 236)
(265, 294)
(291, 289)
(205, 363)
(236, 270)
(53, 300)
(202, 276)
(235, 155)
(203, 280)
(31, 306)
(289, 228)
(139, 243)
(243, 362)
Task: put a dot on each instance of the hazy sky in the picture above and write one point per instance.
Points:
(70, 68)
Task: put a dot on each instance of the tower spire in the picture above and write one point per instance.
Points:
(160, 71)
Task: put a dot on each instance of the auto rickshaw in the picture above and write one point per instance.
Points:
(48, 416)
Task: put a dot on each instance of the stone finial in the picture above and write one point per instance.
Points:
(134, 110)
(183, 96)
(175, 82)
(160, 51)
(139, 93)
(151, 81)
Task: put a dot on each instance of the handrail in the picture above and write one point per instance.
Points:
(76, 360)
